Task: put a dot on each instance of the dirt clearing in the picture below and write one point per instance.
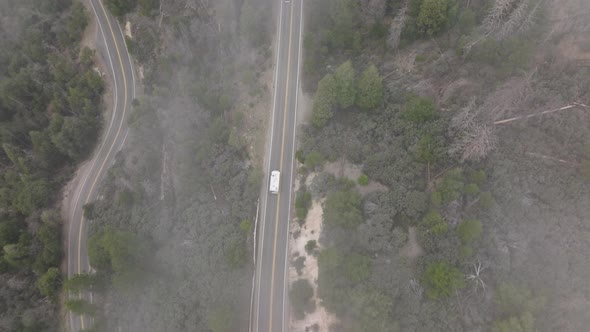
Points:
(309, 231)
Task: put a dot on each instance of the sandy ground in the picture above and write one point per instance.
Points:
(412, 249)
(310, 231)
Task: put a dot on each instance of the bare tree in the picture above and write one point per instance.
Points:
(475, 277)
(505, 18)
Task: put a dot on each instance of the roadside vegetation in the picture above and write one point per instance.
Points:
(430, 98)
(171, 233)
(50, 116)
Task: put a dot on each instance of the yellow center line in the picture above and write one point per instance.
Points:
(274, 252)
(80, 233)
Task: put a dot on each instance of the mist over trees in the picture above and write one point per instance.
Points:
(171, 233)
(476, 134)
(50, 115)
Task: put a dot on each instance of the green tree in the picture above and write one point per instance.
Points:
(80, 282)
(81, 307)
(45, 153)
(34, 194)
(369, 89)
(49, 240)
(49, 283)
(363, 180)
(441, 280)
(357, 268)
(77, 22)
(471, 189)
(313, 160)
(324, 101)
(428, 151)
(302, 203)
(434, 16)
(420, 109)
(345, 88)
(434, 223)
(118, 252)
(343, 208)
(9, 232)
(451, 187)
(300, 295)
(469, 231)
(18, 254)
(479, 177)
(371, 310)
(120, 7)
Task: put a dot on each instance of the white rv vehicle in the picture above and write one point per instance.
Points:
(275, 178)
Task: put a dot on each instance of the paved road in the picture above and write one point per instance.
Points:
(113, 50)
(270, 307)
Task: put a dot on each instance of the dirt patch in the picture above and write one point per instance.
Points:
(343, 168)
(412, 249)
(310, 230)
(128, 29)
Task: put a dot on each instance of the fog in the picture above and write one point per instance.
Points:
(443, 165)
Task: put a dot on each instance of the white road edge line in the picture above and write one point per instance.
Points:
(99, 150)
(286, 274)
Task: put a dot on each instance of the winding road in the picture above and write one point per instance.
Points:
(113, 50)
(270, 305)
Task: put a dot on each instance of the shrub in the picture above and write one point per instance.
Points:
(302, 203)
(369, 89)
(324, 101)
(420, 109)
(49, 283)
(343, 208)
(471, 189)
(441, 280)
(469, 231)
(299, 264)
(301, 294)
(363, 180)
(310, 246)
(246, 225)
(434, 223)
(479, 177)
(313, 160)
(434, 16)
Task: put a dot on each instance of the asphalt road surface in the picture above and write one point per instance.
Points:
(270, 307)
(111, 47)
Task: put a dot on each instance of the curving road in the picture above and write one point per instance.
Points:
(111, 47)
(270, 307)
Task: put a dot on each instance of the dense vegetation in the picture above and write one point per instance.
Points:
(415, 95)
(50, 103)
(171, 234)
